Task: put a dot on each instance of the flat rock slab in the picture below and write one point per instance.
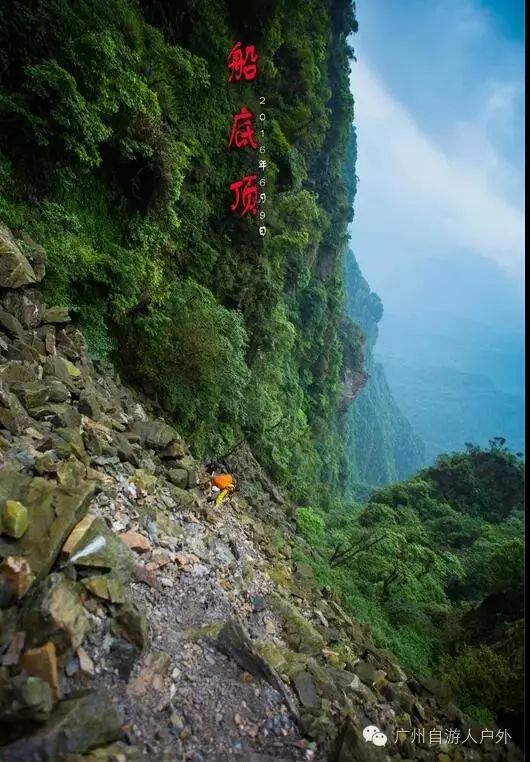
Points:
(306, 690)
(234, 642)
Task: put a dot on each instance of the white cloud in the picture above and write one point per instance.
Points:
(454, 192)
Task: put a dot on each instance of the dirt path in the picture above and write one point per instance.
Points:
(183, 699)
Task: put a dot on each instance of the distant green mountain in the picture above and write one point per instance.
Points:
(456, 379)
(382, 445)
(445, 340)
(448, 407)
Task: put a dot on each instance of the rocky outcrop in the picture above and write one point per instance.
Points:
(352, 383)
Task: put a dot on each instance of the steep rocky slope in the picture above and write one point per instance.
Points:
(187, 632)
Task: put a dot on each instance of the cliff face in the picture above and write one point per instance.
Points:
(382, 445)
(131, 107)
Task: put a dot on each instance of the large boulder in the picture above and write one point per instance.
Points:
(53, 511)
(299, 633)
(56, 315)
(179, 477)
(77, 725)
(352, 747)
(17, 370)
(27, 306)
(23, 699)
(54, 613)
(35, 254)
(234, 641)
(15, 270)
(130, 622)
(13, 415)
(306, 690)
(155, 434)
(89, 404)
(114, 556)
(63, 369)
(10, 323)
(34, 394)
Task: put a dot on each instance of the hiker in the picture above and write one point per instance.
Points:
(221, 486)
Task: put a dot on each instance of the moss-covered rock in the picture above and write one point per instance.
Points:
(18, 370)
(273, 655)
(89, 404)
(54, 612)
(53, 511)
(210, 630)
(14, 518)
(13, 415)
(178, 477)
(114, 556)
(155, 434)
(117, 752)
(281, 576)
(23, 698)
(109, 587)
(352, 747)
(56, 315)
(184, 498)
(131, 623)
(78, 724)
(144, 480)
(300, 634)
(15, 270)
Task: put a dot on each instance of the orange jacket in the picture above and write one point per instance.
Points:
(223, 481)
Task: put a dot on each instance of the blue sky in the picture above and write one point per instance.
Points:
(438, 225)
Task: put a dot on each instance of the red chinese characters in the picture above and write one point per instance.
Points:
(245, 195)
(242, 134)
(242, 65)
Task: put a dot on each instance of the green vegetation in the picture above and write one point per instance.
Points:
(114, 119)
(435, 565)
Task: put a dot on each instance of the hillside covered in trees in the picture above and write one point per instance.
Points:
(114, 176)
(382, 446)
(435, 564)
(114, 121)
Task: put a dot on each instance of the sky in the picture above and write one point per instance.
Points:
(439, 226)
